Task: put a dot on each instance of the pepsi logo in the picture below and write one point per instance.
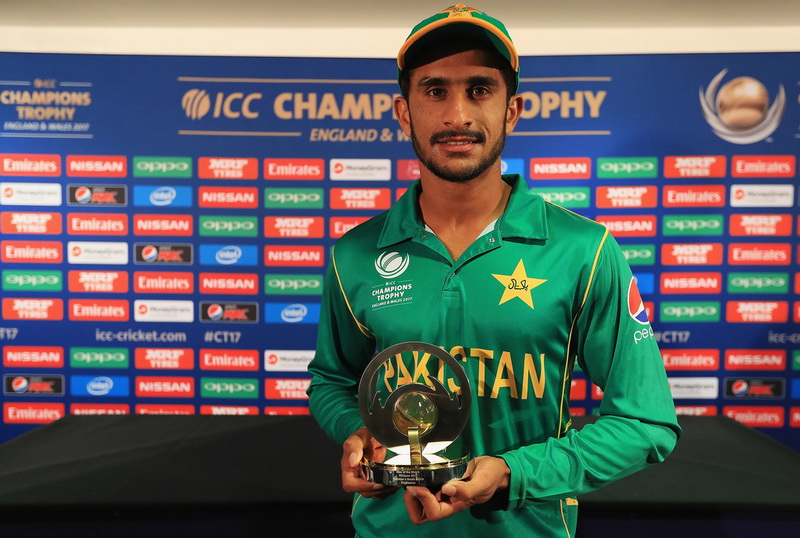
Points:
(19, 384)
(150, 253)
(636, 307)
(215, 312)
(83, 195)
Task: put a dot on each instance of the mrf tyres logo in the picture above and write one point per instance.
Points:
(739, 111)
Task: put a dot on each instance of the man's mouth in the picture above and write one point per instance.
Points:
(458, 138)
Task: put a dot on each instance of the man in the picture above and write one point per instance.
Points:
(514, 288)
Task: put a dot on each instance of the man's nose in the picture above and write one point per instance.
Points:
(459, 113)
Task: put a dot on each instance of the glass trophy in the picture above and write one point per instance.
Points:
(416, 421)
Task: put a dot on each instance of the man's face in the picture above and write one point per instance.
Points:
(457, 115)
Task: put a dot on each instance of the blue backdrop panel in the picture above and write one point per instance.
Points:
(166, 220)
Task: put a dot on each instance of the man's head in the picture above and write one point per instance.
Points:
(458, 28)
(458, 73)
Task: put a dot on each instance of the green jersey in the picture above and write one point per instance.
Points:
(545, 287)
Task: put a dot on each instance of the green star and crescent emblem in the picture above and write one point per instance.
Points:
(518, 285)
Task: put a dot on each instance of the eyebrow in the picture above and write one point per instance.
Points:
(476, 80)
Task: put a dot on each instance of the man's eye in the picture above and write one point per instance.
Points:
(479, 91)
(436, 92)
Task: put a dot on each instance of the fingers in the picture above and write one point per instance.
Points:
(423, 506)
(354, 449)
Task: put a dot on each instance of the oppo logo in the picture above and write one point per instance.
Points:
(627, 167)
(758, 282)
(98, 357)
(564, 197)
(638, 254)
(229, 387)
(32, 280)
(690, 311)
(162, 166)
(293, 197)
(293, 283)
(693, 224)
(228, 225)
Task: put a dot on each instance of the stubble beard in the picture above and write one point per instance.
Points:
(460, 176)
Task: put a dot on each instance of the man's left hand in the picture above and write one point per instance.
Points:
(484, 476)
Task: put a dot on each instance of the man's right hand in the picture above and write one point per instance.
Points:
(355, 448)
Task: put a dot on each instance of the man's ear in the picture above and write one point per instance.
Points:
(515, 106)
(402, 114)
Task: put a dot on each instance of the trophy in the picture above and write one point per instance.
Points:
(415, 422)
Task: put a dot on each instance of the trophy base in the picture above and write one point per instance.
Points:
(429, 474)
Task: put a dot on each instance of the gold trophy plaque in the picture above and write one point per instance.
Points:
(415, 422)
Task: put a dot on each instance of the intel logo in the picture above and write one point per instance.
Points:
(100, 386)
(294, 313)
(228, 255)
(163, 196)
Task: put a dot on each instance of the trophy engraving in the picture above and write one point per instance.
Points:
(416, 421)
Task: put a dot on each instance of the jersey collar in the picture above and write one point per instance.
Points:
(524, 217)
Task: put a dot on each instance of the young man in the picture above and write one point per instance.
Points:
(514, 288)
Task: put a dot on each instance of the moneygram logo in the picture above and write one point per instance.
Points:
(690, 312)
(627, 168)
(391, 265)
(32, 194)
(762, 196)
(739, 111)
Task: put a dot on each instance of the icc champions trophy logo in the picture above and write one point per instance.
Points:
(739, 110)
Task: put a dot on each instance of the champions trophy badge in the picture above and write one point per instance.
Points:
(415, 421)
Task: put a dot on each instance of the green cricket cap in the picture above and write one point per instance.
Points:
(458, 21)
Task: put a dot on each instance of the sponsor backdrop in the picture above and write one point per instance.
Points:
(166, 221)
